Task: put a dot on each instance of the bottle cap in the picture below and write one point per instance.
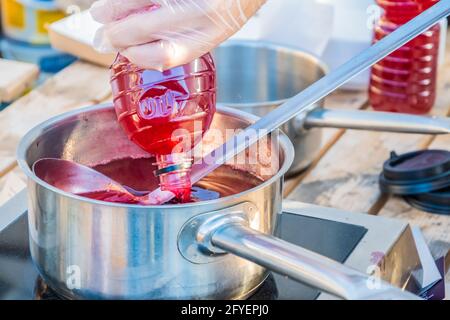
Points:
(416, 172)
(433, 202)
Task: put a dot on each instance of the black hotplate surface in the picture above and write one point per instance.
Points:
(20, 280)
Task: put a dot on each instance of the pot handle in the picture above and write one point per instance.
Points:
(376, 121)
(209, 236)
(303, 265)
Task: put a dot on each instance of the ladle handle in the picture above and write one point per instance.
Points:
(302, 265)
(305, 100)
(376, 121)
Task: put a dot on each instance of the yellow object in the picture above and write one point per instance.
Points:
(45, 18)
(28, 20)
(13, 14)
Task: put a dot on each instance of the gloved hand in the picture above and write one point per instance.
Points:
(161, 34)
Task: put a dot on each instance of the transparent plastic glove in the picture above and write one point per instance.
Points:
(161, 34)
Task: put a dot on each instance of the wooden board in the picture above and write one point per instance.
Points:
(15, 78)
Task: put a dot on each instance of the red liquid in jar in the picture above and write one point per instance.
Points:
(166, 113)
(405, 81)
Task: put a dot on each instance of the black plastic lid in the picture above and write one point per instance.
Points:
(434, 202)
(416, 172)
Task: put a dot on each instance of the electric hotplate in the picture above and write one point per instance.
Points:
(20, 280)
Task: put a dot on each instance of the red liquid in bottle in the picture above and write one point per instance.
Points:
(405, 81)
(166, 113)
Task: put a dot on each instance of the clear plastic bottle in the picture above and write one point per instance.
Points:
(166, 114)
(405, 81)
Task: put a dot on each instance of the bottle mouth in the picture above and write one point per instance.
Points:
(172, 168)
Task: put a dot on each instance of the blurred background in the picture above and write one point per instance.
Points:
(51, 34)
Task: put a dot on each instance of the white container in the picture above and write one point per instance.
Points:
(352, 33)
(306, 25)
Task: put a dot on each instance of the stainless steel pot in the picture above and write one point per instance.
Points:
(90, 249)
(257, 77)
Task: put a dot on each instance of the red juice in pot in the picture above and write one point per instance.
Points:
(405, 81)
(222, 182)
(166, 114)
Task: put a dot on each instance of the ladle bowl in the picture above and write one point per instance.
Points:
(78, 179)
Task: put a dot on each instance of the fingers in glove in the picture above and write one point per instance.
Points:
(140, 28)
(169, 52)
(145, 27)
(107, 11)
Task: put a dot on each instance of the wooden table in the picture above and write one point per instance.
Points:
(344, 175)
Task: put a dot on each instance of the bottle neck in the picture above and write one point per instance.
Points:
(174, 173)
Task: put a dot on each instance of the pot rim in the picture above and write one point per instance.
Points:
(278, 48)
(35, 132)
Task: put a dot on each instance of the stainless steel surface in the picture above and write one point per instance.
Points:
(211, 234)
(19, 278)
(377, 121)
(305, 101)
(257, 77)
(85, 248)
(92, 249)
(396, 248)
(303, 265)
(195, 239)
